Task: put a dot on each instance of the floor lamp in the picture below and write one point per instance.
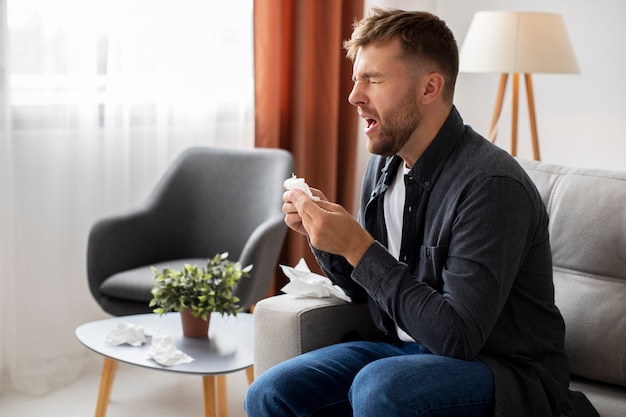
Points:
(517, 43)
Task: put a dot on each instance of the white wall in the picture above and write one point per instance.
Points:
(580, 117)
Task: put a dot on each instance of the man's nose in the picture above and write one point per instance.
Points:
(356, 96)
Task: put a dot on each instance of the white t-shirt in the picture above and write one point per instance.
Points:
(394, 213)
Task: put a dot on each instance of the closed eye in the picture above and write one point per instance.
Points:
(365, 80)
(369, 78)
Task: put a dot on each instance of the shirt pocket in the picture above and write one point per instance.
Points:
(432, 261)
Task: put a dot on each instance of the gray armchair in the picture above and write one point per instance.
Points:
(211, 200)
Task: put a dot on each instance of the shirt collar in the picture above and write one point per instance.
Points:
(427, 168)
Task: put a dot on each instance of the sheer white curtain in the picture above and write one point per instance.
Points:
(97, 98)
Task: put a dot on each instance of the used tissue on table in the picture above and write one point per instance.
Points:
(304, 283)
(126, 333)
(162, 349)
(164, 352)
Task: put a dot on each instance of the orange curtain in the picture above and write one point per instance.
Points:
(302, 81)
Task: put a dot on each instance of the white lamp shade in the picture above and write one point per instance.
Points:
(515, 42)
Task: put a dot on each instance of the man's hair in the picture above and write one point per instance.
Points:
(426, 40)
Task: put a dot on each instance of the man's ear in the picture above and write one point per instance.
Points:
(432, 87)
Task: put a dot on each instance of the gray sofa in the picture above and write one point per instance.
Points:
(588, 234)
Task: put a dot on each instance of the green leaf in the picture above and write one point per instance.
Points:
(201, 289)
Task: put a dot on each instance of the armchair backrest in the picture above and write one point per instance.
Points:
(210, 192)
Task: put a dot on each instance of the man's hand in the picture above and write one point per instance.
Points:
(292, 217)
(329, 226)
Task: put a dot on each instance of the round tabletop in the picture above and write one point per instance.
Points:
(229, 347)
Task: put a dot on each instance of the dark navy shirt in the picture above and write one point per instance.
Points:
(473, 279)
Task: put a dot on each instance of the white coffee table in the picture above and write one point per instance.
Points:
(229, 348)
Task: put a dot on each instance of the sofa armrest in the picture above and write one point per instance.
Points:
(286, 326)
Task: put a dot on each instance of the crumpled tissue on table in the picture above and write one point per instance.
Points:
(165, 353)
(127, 333)
(163, 349)
(304, 283)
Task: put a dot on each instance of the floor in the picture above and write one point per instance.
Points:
(136, 392)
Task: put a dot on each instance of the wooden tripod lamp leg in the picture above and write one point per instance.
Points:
(498, 107)
(531, 114)
(514, 115)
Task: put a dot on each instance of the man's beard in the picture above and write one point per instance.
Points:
(397, 128)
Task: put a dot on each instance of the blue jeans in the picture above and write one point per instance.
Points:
(372, 379)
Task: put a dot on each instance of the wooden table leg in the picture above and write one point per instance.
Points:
(250, 374)
(212, 401)
(208, 388)
(222, 397)
(106, 382)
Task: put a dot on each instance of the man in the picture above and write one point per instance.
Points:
(451, 252)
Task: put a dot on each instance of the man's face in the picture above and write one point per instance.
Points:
(385, 95)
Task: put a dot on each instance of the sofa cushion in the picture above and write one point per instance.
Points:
(587, 211)
(608, 400)
(595, 337)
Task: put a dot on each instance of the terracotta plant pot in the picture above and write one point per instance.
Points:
(194, 326)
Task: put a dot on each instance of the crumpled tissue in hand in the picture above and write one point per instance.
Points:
(127, 333)
(164, 352)
(295, 182)
(304, 283)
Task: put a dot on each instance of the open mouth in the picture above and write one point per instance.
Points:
(370, 125)
(370, 122)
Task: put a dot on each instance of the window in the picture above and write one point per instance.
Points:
(143, 66)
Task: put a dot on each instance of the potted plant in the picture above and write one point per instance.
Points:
(196, 292)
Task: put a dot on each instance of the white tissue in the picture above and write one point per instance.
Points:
(304, 283)
(295, 182)
(164, 352)
(162, 349)
(126, 333)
